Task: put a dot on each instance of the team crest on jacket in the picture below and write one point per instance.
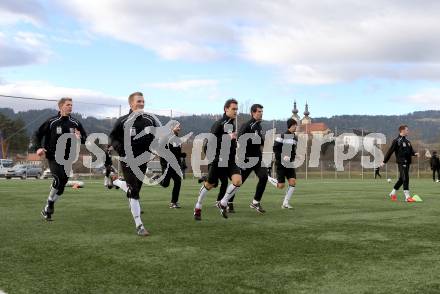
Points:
(133, 132)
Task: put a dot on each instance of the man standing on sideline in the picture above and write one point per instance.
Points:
(377, 173)
(132, 185)
(50, 131)
(435, 166)
(222, 166)
(283, 172)
(253, 126)
(404, 152)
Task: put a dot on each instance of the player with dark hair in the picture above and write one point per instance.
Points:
(253, 126)
(51, 130)
(224, 162)
(404, 152)
(283, 172)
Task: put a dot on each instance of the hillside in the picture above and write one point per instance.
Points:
(425, 125)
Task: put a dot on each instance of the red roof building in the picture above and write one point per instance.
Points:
(306, 126)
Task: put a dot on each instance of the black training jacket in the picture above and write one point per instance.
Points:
(139, 145)
(435, 162)
(252, 127)
(176, 148)
(280, 141)
(225, 125)
(51, 130)
(403, 150)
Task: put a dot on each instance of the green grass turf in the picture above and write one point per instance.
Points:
(341, 237)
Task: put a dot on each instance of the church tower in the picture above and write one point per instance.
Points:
(306, 119)
(295, 111)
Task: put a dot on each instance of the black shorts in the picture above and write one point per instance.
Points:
(133, 183)
(284, 173)
(59, 175)
(215, 172)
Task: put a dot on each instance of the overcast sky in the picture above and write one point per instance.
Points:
(343, 57)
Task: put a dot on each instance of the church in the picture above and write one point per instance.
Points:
(305, 125)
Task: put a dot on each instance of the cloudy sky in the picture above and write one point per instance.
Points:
(343, 57)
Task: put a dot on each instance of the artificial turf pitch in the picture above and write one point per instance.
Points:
(341, 237)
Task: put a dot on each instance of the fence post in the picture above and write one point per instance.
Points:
(349, 169)
(321, 170)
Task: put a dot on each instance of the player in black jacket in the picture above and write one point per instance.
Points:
(377, 173)
(224, 162)
(404, 152)
(253, 126)
(435, 166)
(283, 172)
(133, 185)
(50, 131)
(175, 146)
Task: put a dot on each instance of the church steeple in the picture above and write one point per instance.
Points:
(306, 112)
(295, 112)
(306, 119)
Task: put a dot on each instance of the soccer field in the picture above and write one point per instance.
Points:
(341, 237)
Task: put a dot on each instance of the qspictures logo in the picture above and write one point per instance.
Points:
(205, 148)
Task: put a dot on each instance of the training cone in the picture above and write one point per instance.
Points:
(417, 198)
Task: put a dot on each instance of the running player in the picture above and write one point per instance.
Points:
(176, 148)
(50, 131)
(283, 172)
(253, 126)
(132, 185)
(224, 162)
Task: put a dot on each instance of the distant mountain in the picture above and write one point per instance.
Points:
(424, 125)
